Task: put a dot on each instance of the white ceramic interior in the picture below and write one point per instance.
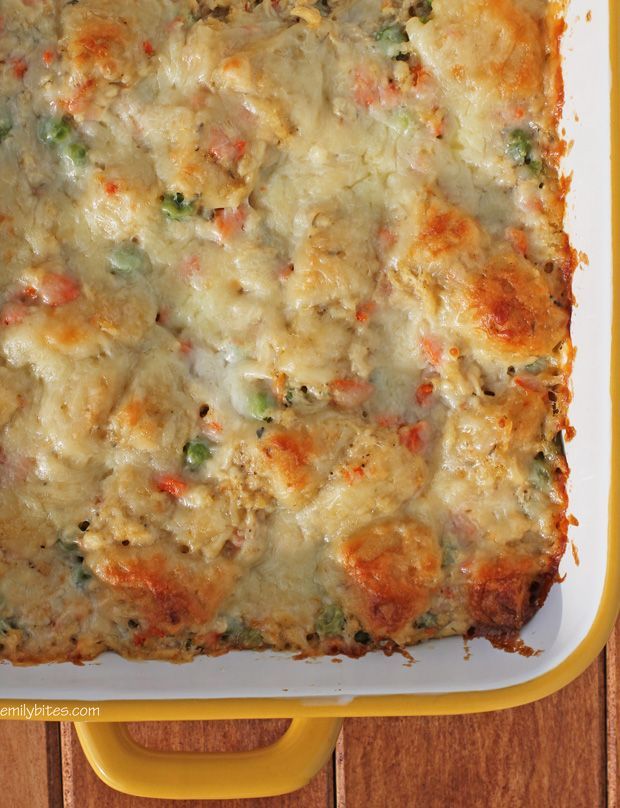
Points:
(571, 607)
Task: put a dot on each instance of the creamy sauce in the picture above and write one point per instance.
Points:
(284, 306)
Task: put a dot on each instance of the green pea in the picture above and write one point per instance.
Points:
(127, 259)
(449, 553)
(540, 476)
(55, 130)
(390, 39)
(537, 366)
(72, 553)
(426, 620)
(251, 638)
(80, 576)
(519, 147)
(260, 404)
(330, 621)
(243, 636)
(535, 166)
(175, 207)
(196, 452)
(402, 120)
(6, 124)
(77, 153)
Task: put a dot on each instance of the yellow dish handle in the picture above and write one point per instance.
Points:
(286, 765)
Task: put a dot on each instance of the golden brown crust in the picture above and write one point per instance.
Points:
(284, 326)
(515, 308)
(393, 567)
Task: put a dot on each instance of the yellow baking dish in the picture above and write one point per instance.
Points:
(317, 694)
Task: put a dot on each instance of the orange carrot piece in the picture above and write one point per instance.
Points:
(364, 311)
(348, 393)
(169, 484)
(415, 437)
(432, 350)
(424, 392)
(57, 290)
(229, 221)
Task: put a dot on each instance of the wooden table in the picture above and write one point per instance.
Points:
(558, 753)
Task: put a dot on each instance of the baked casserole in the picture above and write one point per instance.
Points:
(284, 325)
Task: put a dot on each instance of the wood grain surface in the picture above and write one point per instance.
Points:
(612, 660)
(551, 753)
(30, 765)
(561, 752)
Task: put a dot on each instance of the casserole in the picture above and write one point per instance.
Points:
(570, 629)
(366, 451)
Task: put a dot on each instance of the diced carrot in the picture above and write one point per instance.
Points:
(48, 57)
(424, 392)
(232, 63)
(432, 350)
(532, 385)
(389, 95)
(239, 146)
(350, 474)
(132, 412)
(224, 148)
(387, 238)
(185, 346)
(189, 267)
(279, 385)
(20, 66)
(463, 528)
(366, 91)
(389, 421)
(81, 97)
(364, 311)
(148, 48)
(168, 484)
(384, 286)
(57, 290)
(151, 632)
(417, 73)
(13, 312)
(29, 294)
(437, 123)
(518, 239)
(454, 352)
(229, 221)
(110, 188)
(415, 437)
(348, 393)
(175, 22)
(214, 426)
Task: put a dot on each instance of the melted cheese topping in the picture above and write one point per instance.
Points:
(284, 307)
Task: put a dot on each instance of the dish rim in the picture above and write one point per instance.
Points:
(452, 703)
